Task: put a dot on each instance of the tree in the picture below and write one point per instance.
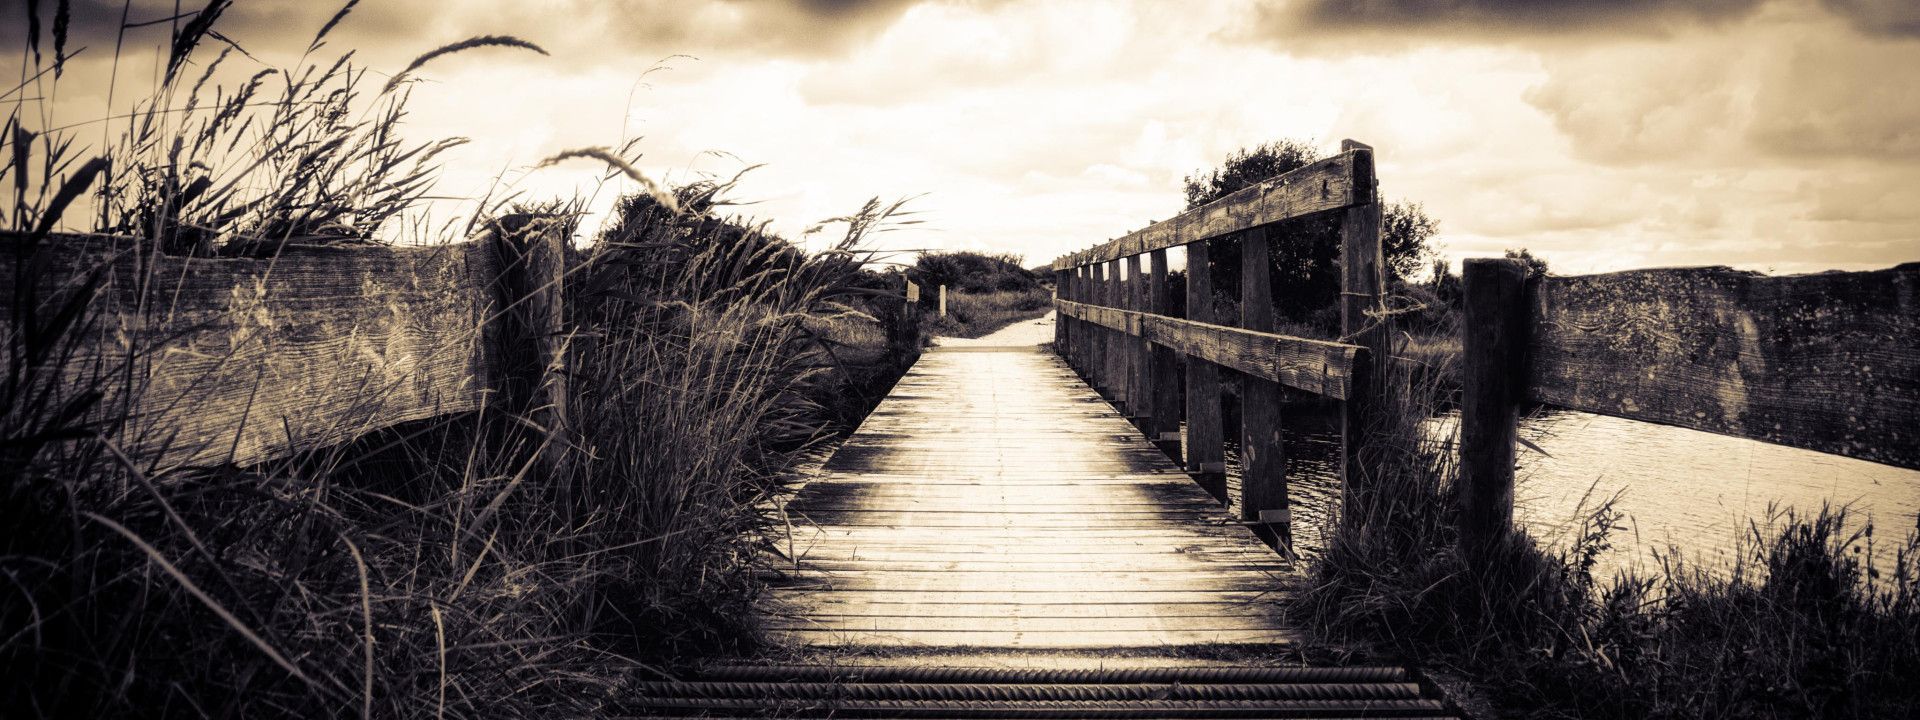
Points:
(1306, 252)
(1536, 267)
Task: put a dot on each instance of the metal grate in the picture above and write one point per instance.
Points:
(948, 692)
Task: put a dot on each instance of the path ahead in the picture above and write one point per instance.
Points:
(994, 500)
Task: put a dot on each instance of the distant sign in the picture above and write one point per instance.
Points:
(913, 292)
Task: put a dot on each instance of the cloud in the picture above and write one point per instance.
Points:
(1502, 17)
(1886, 18)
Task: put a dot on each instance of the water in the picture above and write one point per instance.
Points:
(1679, 489)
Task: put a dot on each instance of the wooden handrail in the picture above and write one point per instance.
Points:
(1336, 183)
(1116, 331)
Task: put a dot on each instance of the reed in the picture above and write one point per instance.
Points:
(422, 570)
(1799, 624)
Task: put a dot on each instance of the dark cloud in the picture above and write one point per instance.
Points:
(403, 28)
(1886, 18)
(1499, 18)
(802, 28)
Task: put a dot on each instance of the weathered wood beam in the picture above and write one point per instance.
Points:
(1493, 336)
(1163, 368)
(1337, 182)
(1206, 452)
(240, 360)
(1827, 362)
(1316, 366)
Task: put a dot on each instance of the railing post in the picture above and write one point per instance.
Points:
(1098, 336)
(527, 331)
(1062, 329)
(1206, 453)
(1117, 365)
(1361, 323)
(1493, 343)
(1139, 384)
(1164, 371)
(1263, 479)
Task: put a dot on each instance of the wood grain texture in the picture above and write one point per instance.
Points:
(238, 360)
(993, 500)
(1327, 185)
(1263, 482)
(1163, 368)
(1206, 449)
(1827, 362)
(1316, 366)
(1492, 379)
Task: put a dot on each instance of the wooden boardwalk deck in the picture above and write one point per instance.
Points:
(994, 500)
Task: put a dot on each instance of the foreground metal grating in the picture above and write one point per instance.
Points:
(943, 692)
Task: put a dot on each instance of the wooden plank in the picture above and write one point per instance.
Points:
(1331, 184)
(239, 359)
(1206, 448)
(1493, 336)
(1064, 640)
(1139, 377)
(1363, 322)
(1163, 369)
(1316, 366)
(1137, 622)
(1018, 610)
(1263, 481)
(999, 480)
(1827, 362)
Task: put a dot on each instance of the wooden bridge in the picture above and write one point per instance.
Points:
(1008, 504)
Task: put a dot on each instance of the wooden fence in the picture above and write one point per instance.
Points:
(1827, 362)
(204, 361)
(1114, 327)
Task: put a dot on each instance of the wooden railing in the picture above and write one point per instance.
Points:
(1827, 362)
(1114, 327)
(206, 361)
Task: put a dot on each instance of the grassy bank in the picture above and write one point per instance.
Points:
(1797, 626)
(971, 315)
(985, 292)
(427, 569)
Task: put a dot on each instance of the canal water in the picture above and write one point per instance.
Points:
(1679, 489)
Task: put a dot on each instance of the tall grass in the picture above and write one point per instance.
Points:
(971, 315)
(426, 569)
(1799, 625)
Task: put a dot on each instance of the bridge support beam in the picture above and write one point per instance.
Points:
(1206, 451)
(1263, 462)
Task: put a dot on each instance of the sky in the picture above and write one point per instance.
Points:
(1775, 135)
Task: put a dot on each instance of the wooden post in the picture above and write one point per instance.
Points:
(1139, 387)
(1164, 369)
(943, 301)
(1206, 453)
(1062, 285)
(1493, 341)
(1361, 323)
(1097, 342)
(1263, 482)
(1117, 365)
(528, 334)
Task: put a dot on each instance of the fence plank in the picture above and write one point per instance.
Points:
(1206, 453)
(1139, 388)
(1163, 369)
(240, 360)
(1316, 366)
(1362, 322)
(1263, 462)
(1331, 184)
(1493, 336)
(1827, 362)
